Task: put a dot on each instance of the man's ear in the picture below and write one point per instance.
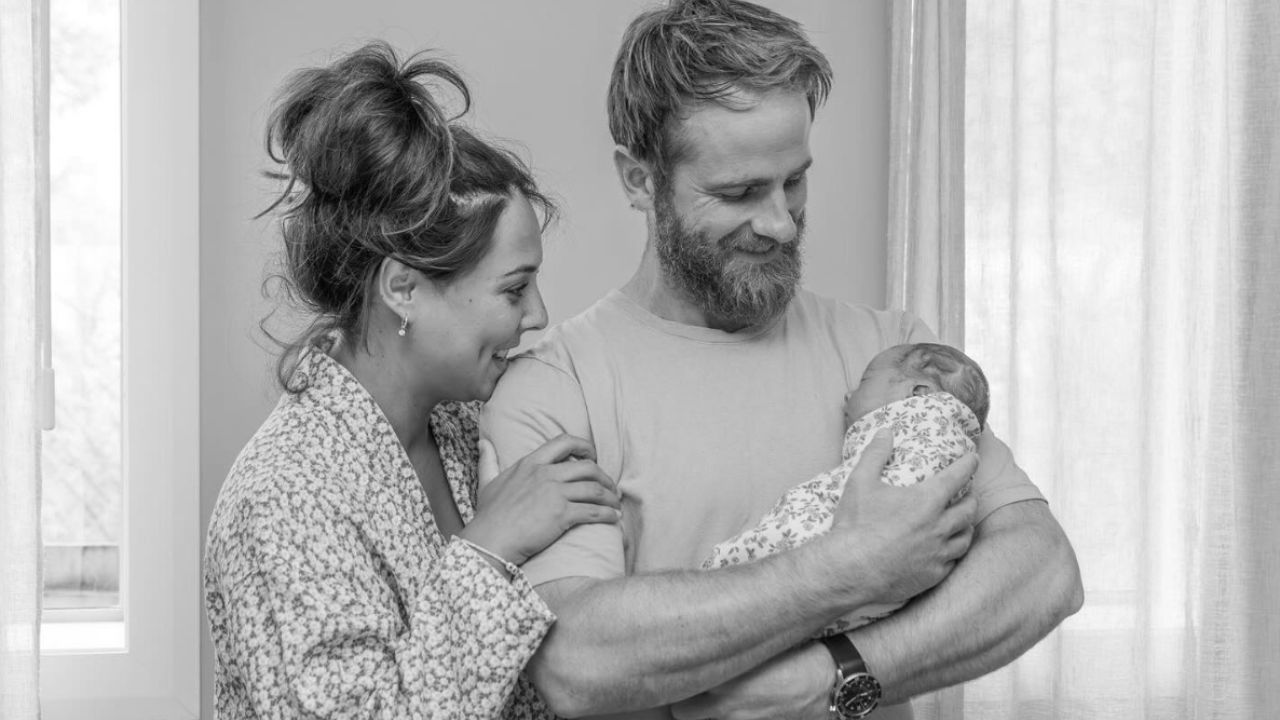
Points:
(636, 177)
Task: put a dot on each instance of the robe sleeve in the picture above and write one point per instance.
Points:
(313, 620)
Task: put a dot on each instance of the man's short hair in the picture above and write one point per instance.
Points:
(952, 371)
(698, 50)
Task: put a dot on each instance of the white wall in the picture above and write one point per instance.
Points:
(538, 72)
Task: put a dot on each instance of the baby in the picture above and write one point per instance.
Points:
(934, 397)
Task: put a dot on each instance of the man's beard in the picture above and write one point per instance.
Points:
(732, 292)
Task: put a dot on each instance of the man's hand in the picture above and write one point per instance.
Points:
(795, 685)
(906, 539)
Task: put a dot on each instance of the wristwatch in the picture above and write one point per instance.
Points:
(856, 692)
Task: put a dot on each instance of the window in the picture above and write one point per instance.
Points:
(1111, 235)
(82, 498)
(120, 637)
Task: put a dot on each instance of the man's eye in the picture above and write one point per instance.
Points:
(792, 182)
(735, 196)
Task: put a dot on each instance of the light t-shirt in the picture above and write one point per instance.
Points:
(702, 429)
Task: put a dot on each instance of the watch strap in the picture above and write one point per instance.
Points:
(848, 660)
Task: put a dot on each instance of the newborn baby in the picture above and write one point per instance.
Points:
(934, 397)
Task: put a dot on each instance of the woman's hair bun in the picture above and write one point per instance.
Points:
(375, 168)
(365, 137)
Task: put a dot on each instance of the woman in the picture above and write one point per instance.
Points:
(348, 571)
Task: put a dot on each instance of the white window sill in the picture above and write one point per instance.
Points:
(82, 637)
(115, 709)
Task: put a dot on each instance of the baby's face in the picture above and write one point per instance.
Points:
(881, 384)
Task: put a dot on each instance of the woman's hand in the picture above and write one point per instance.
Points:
(531, 504)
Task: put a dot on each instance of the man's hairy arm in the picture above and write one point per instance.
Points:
(636, 642)
(648, 640)
(1018, 582)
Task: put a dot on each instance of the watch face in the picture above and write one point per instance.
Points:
(857, 696)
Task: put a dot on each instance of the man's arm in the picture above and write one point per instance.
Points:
(648, 640)
(644, 641)
(1019, 581)
(624, 643)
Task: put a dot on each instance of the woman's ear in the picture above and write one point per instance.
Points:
(398, 284)
(636, 177)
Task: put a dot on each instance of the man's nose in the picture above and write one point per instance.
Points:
(774, 219)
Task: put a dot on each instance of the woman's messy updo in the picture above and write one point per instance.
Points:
(374, 168)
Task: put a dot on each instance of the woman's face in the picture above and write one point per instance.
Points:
(478, 318)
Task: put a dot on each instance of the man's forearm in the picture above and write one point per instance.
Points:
(1019, 580)
(649, 640)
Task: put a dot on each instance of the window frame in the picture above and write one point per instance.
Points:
(158, 672)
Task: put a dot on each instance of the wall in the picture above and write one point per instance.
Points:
(538, 72)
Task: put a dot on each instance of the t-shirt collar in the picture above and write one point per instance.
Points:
(693, 332)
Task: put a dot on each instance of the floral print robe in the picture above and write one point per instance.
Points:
(330, 591)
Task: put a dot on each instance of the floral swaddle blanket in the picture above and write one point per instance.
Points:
(929, 433)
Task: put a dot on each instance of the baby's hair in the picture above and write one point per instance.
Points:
(952, 371)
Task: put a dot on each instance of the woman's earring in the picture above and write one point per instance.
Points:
(404, 323)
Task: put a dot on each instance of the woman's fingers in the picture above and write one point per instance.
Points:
(579, 470)
(580, 513)
(488, 467)
(562, 447)
(591, 490)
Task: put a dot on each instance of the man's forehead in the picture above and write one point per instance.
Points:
(751, 135)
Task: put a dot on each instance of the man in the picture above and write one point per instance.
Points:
(709, 385)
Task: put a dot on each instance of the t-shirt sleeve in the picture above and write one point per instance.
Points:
(534, 402)
(999, 481)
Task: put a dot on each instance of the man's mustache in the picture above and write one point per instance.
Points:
(751, 242)
(748, 240)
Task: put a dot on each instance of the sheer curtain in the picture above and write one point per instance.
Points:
(1122, 250)
(926, 164)
(23, 219)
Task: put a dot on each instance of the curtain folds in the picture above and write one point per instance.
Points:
(23, 222)
(926, 163)
(1242, 622)
(1121, 247)
(926, 192)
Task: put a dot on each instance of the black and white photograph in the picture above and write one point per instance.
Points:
(639, 359)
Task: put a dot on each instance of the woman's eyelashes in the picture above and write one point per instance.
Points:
(515, 293)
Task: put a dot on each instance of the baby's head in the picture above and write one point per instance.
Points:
(906, 370)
